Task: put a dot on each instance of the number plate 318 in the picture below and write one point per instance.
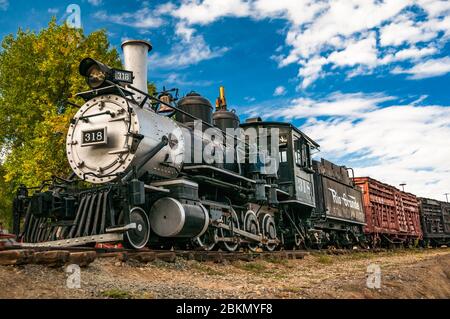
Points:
(94, 137)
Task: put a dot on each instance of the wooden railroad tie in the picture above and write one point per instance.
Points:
(58, 257)
(52, 258)
(83, 258)
(16, 257)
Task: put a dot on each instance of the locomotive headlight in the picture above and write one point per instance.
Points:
(95, 77)
(97, 74)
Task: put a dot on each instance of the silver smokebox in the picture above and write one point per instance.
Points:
(101, 143)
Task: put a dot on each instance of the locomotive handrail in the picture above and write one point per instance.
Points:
(84, 118)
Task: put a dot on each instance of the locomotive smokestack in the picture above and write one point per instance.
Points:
(135, 55)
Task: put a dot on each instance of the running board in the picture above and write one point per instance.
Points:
(104, 238)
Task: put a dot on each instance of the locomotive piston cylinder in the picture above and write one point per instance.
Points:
(171, 218)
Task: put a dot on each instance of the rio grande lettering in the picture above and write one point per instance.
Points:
(346, 200)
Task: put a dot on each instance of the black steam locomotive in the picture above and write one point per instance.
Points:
(152, 170)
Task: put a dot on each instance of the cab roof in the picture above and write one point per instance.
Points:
(280, 124)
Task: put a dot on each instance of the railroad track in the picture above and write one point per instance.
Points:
(83, 256)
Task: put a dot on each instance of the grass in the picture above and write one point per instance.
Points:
(255, 267)
(206, 269)
(273, 275)
(116, 294)
(278, 261)
(360, 255)
(325, 260)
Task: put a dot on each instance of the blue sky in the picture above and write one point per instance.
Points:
(368, 79)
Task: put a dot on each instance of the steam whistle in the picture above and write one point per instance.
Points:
(221, 102)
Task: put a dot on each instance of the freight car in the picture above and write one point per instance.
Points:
(392, 216)
(435, 219)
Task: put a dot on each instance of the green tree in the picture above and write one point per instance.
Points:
(38, 76)
(5, 201)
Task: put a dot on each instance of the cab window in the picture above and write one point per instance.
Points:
(283, 148)
(301, 153)
(283, 155)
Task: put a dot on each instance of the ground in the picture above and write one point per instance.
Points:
(404, 274)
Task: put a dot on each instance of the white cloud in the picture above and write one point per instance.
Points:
(4, 4)
(405, 31)
(427, 69)
(144, 18)
(189, 49)
(279, 90)
(356, 36)
(312, 70)
(207, 11)
(353, 37)
(390, 142)
(435, 8)
(357, 52)
(412, 53)
(95, 3)
(184, 31)
(188, 52)
(297, 12)
(336, 104)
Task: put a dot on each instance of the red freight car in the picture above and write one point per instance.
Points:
(392, 216)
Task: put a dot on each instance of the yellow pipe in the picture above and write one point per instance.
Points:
(223, 101)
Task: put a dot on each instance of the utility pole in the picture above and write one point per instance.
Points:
(403, 186)
(446, 196)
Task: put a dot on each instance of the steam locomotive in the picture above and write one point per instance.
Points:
(158, 171)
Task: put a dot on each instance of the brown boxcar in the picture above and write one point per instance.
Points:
(435, 217)
(392, 216)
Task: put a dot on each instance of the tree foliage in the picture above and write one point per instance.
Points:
(38, 76)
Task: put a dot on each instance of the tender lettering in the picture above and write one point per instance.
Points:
(345, 199)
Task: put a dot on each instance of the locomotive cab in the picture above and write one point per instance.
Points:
(294, 173)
